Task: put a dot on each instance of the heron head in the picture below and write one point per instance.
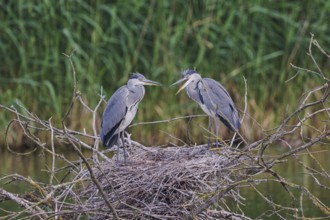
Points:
(139, 79)
(188, 72)
(188, 76)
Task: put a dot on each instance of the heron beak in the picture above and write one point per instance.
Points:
(179, 81)
(150, 83)
(184, 85)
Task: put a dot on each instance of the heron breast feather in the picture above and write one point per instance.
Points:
(208, 111)
(129, 116)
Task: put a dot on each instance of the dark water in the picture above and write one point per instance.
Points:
(36, 165)
(294, 172)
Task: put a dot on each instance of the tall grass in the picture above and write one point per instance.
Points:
(221, 39)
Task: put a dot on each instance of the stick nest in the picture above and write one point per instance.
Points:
(164, 183)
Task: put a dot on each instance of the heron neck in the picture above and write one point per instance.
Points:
(194, 83)
(135, 88)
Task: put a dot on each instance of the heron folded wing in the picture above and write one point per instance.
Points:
(113, 115)
(110, 138)
(225, 108)
(227, 123)
(218, 90)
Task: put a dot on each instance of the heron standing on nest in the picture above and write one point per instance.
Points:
(213, 98)
(120, 111)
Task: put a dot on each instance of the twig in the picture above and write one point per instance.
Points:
(74, 92)
(95, 181)
(53, 151)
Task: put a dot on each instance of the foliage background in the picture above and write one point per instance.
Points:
(225, 40)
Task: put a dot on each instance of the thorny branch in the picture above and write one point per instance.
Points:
(171, 182)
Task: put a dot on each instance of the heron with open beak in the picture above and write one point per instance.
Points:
(213, 98)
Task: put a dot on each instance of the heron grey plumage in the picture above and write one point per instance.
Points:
(121, 110)
(212, 97)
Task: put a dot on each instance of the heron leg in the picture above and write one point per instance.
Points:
(216, 123)
(118, 152)
(209, 137)
(124, 147)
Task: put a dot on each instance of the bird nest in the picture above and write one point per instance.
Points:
(165, 183)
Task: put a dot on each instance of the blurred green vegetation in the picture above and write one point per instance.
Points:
(224, 40)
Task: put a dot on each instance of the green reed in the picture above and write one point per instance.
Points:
(225, 40)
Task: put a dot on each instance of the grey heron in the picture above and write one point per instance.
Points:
(213, 98)
(120, 111)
